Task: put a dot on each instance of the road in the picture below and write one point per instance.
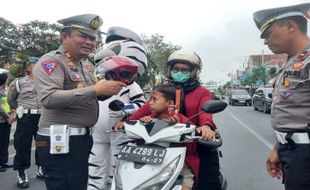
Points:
(247, 137)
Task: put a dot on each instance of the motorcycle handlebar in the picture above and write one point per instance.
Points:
(212, 143)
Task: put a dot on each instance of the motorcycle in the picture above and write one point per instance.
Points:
(154, 165)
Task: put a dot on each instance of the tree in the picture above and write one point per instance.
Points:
(259, 75)
(8, 39)
(38, 38)
(272, 72)
(157, 52)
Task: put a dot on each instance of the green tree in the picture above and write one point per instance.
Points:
(38, 38)
(157, 51)
(259, 75)
(272, 72)
(8, 39)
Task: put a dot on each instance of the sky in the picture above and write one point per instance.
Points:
(221, 32)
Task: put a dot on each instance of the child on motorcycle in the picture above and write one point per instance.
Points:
(162, 100)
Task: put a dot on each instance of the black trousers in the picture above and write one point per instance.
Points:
(5, 130)
(209, 169)
(26, 130)
(295, 161)
(65, 171)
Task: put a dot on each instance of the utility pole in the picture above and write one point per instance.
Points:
(263, 58)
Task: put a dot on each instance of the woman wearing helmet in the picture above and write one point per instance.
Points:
(121, 59)
(5, 121)
(183, 69)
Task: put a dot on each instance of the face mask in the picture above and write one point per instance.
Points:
(180, 77)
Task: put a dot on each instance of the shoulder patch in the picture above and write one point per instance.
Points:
(49, 67)
(285, 94)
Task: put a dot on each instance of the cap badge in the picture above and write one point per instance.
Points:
(95, 23)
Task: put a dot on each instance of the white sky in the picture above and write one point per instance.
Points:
(222, 32)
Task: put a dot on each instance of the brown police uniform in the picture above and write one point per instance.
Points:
(67, 93)
(290, 114)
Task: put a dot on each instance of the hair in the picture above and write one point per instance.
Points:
(3, 79)
(299, 20)
(66, 32)
(168, 90)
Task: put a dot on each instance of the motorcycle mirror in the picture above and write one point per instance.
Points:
(116, 105)
(214, 106)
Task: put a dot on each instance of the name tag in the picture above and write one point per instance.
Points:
(59, 137)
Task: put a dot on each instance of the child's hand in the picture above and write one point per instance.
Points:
(173, 119)
(118, 126)
(146, 119)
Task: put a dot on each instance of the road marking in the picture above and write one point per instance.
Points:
(254, 133)
(12, 155)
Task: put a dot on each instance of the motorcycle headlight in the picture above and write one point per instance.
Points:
(157, 182)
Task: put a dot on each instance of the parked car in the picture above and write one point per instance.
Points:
(239, 96)
(262, 99)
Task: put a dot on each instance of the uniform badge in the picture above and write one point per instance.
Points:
(49, 67)
(76, 77)
(58, 148)
(70, 64)
(80, 85)
(297, 65)
(286, 83)
(285, 94)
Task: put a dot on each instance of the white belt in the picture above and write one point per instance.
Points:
(32, 111)
(72, 131)
(298, 138)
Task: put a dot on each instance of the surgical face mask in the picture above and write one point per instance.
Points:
(180, 76)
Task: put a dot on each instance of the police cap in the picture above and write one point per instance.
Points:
(87, 23)
(33, 59)
(264, 18)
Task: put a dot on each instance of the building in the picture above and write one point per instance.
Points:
(267, 61)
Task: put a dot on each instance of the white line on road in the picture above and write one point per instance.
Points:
(254, 133)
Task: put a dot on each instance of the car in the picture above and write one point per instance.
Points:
(262, 99)
(239, 96)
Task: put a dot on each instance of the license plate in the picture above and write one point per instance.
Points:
(143, 154)
(242, 101)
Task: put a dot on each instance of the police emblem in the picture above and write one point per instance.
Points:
(49, 67)
(58, 138)
(95, 23)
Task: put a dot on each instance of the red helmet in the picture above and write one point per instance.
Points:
(118, 68)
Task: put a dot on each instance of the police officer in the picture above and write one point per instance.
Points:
(68, 93)
(284, 30)
(5, 121)
(22, 96)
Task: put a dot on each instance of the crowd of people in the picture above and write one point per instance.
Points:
(63, 102)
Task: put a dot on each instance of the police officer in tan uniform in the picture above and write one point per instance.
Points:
(22, 96)
(68, 93)
(284, 30)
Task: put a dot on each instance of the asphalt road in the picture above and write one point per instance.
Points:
(247, 140)
(247, 137)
